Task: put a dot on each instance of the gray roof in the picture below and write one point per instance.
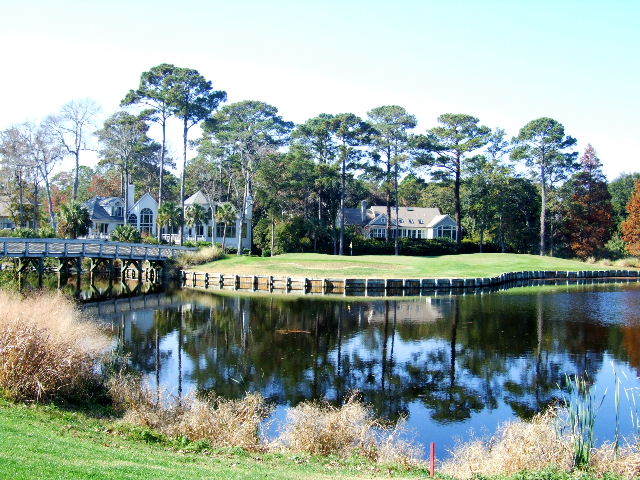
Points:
(416, 217)
(97, 211)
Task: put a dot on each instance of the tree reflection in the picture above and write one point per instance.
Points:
(454, 355)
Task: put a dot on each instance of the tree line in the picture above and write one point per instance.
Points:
(532, 193)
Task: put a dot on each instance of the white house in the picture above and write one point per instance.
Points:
(412, 222)
(108, 212)
(210, 230)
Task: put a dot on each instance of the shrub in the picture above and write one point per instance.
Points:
(126, 233)
(148, 239)
(25, 233)
(46, 232)
(615, 248)
(417, 247)
(46, 351)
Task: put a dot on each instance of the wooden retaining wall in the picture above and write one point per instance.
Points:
(382, 286)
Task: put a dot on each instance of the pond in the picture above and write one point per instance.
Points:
(449, 364)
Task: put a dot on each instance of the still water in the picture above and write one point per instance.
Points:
(448, 364)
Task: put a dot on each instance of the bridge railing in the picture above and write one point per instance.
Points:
(62, 247)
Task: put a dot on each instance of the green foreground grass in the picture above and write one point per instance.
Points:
(314, 265)
(45, 442)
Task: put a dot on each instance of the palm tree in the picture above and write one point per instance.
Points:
(75, 220)
(226, 214)
(195, 215)
(169, 216)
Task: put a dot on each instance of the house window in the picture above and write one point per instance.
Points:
(199, 229)
(209, 231)
(104, 228)
(133, 219)
(231, 230)
(117, 210)
(244, 230)
(146, 221)
(446, 232)
(377, 233)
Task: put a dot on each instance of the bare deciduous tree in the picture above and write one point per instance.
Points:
(72, 126)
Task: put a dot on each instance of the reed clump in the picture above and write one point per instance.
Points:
(540, 444)
(322, 429)
(220, 422)
(199, 257)
(515, 447)
(47, 351)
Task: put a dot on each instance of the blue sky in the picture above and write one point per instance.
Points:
(506, 62)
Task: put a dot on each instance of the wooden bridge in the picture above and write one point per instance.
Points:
(31, 253)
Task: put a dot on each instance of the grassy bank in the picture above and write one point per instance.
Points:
(47, 442)
(390, 266)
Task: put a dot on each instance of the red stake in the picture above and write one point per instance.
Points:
(432, 463)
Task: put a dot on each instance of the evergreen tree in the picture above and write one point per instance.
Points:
(588, 213)
(542, 145)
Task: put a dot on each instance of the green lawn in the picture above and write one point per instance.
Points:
(48, 443)
(388, 266)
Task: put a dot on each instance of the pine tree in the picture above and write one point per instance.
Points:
(589, 218)
(631, 226)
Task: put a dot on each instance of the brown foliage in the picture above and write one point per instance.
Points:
(47, 352)
(589, 213)
(631, 226)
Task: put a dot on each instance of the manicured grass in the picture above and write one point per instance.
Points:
(313, 265)
(38, 442)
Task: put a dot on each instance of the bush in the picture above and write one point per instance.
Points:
(291, 235)
(46, 232)
(126, 233)
(615, 248)
(417, 247)
(47, 351)
(148, 239)
(25, 233)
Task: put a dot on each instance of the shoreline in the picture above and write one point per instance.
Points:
(383, 287)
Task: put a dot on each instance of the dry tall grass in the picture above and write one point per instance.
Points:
(204, 255)
(221, 422)
(322, 429)
(47, 351)
(532, 446)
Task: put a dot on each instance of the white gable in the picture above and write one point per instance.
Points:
(145, 201)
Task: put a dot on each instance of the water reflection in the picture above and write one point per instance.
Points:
(447, 363)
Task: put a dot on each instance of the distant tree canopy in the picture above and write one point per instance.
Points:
(296, 180)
